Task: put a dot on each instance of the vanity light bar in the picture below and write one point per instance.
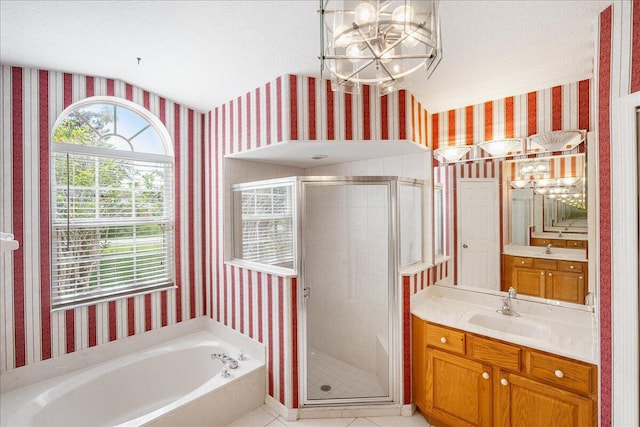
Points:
(546, 142)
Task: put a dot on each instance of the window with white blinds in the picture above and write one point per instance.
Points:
(112, 204)
(265, 233)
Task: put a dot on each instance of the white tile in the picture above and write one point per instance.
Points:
(256, 418)
(362, 422)
(392, 166)
(276, 423)
(318, 422)
(417, 420)
(270, 410)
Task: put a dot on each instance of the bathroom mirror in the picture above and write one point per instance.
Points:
(541, 201)
(546, 198)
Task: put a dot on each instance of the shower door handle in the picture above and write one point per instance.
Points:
(306, 292)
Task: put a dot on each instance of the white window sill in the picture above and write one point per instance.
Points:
(263, 268)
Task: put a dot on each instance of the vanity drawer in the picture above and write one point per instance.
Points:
(577, 376)
(570, 266)
(522, 262)
(445, 338)
(485, 350)
(577, 244)
(558, 243)
(545, 264)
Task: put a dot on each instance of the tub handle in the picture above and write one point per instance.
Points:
(224, 373)
(241, 356)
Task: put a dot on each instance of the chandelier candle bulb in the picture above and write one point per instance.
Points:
(378, 43)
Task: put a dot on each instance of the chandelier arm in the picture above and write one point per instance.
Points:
(366, 41)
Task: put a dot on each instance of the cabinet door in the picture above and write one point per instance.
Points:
(526, 403)
(566, 286)
(529, 281)
(419, 362)
(458, 390)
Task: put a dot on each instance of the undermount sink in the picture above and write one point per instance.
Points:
(510, 325)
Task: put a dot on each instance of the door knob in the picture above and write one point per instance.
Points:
(465, 246)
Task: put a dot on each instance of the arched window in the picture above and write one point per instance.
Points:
(112, 217)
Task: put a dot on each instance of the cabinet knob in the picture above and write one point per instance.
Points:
(485, 375)
(443, 340)
(504, 381)
(521, 262)
(571, 267)
(550, 274)
(542, 273)
(559, 373)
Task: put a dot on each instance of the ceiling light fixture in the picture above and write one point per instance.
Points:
(502, 147)
(558, 140)
(378, 42)
(453, 153)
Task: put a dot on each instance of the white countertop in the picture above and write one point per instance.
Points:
(572, 332)
(563, 236)
(562, 254)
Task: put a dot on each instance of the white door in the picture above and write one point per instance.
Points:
(478, 233)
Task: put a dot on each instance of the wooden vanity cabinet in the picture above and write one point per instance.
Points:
(556, 243)
(547, 278)
(488, 382)
(524, 402)
(559, 243)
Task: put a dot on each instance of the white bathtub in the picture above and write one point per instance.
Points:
(175, 383)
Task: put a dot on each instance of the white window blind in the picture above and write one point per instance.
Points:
(112, 212)
(266, 225)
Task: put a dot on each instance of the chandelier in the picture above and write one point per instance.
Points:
(378, 42)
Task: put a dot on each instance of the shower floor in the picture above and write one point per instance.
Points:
(346, 381)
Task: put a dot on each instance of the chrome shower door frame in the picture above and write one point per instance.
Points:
(394, 291)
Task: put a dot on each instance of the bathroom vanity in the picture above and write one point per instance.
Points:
(560, 275)
(475, 367)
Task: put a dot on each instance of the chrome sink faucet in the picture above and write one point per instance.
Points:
(548, 250)
(507, 309)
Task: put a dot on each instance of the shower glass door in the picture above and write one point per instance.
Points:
(346, 278)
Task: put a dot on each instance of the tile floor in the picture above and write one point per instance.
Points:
(263, 417)
(345, 380)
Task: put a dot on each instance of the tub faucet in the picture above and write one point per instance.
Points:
(548, 250)
(225, 359)
(507, 309)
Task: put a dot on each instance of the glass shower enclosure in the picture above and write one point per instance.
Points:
(350, 237)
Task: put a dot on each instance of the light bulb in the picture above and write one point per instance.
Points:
(402, 14)
(570, 180)
(396, 68)
(410, 41)
(526, 168)
(520, 183)
(365, 13)
(386, 57)
(354, 53)
(540, 190)
(341, 36)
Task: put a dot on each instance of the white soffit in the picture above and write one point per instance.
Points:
(204, 53)
(299, 154)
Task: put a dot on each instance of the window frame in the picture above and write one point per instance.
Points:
(237, 221)
(162, 161)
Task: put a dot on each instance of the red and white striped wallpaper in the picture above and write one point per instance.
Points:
(298, 108)
(29, 332)
(565, 107)
(618, 76)
(559, 167)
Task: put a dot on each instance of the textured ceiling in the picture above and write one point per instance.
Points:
(203, 53)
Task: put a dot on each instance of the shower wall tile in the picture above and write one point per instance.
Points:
(392, 166)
